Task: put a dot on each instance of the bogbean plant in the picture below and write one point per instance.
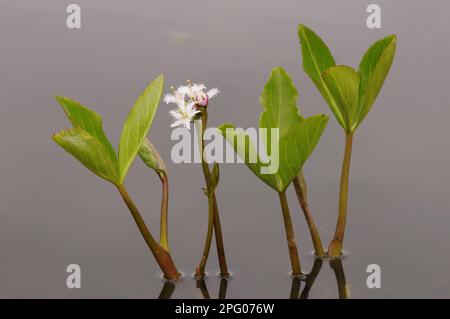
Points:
(297, 138)
(192, 106)
(350, 95)
(88, 143)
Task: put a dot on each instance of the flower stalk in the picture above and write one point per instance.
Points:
(302, 192)
(335, 247)
(292, 246)
(192, 102)
(213, 211)
(200, 270)
(161, 255)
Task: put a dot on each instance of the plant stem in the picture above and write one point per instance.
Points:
(163, 235)
(200, 271)
(224, 273)
(213, 202)
(161, 255)
(302, 192)
(335, 247)
(293, 253)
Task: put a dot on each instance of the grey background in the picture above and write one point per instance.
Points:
(54, 212)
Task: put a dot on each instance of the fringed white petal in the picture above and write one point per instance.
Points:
(197, 88)
(184, 90)
(176, 114)
(213, 92)
(170, 98)
(177, 123)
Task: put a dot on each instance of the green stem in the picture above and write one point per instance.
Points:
(219, 241)
(335, 247)
(200, 271)
(161, 255)
(302, 192)
(292, 246)
(213, 202)
(163, 235)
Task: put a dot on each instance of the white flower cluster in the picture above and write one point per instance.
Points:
(189, 98)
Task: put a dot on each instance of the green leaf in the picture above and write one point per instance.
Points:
(297, 145)
(343, 84)
(87, 149)
(246, 151)
(137, 125)
(215, 176)
(374, 68)
(294, 149)
(82, 117)
(297, 137)
(316, 59)
(151, 157)
(279, 101)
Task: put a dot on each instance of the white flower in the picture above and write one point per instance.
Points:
(189, 99)
(184, 115)
(177, 97)
(193, 92)
(198, 95)
(213, 92)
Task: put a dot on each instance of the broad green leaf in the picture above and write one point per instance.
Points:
(151, 157)
(215, 176)
(343, 84)
(297, 145)
(87, 149)
(316, 59)
(374, 68)
(296, 138)
(294, 149)
(246, 151)
(137, 125)
(86, 119)
(279, 101)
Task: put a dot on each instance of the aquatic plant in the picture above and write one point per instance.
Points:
(350, 94)
(88, 143)
(192, 102)
(297, 138)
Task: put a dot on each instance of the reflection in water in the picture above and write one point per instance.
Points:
(167, 290)
(343, 288)
(335, 264)
(311, 277)
(169, 287)
(296, 292)
(223, 288)
(308, 279)
(201, 284)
